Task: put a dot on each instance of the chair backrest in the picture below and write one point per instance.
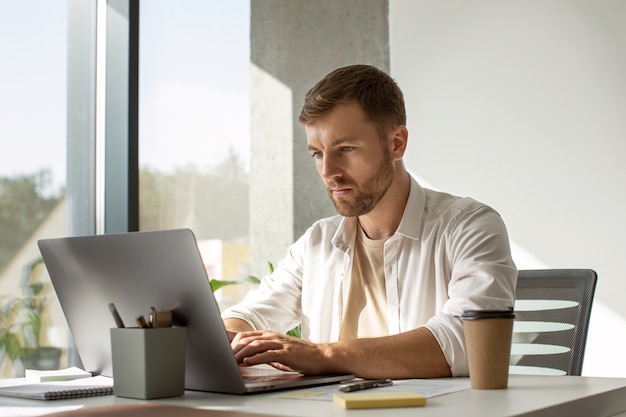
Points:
(552, 311)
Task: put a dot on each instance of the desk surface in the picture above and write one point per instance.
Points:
(531, 396)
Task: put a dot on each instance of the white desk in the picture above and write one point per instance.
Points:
(530, 396)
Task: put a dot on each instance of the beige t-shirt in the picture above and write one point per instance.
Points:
(364, 294)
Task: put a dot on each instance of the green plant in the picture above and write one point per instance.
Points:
(22, 318)
(217, 284)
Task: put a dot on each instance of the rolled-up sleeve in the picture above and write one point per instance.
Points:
(482, 276)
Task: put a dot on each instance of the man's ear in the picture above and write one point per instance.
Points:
(400, 137)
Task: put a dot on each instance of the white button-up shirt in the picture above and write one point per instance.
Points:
(449, 254)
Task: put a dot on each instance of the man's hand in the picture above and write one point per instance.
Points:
(278, 350)
(412, 354)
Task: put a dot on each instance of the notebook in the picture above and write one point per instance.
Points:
(160, 269)
(60, 390)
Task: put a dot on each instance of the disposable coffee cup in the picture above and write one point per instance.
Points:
(488, 344)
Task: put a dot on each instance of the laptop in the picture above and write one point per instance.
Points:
(160, 269)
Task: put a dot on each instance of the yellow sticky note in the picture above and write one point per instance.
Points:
(379, 399)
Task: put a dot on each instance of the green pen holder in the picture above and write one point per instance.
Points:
(148, 363)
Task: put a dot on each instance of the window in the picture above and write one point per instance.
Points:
(193, 148)
(194, 130)
(32, 180)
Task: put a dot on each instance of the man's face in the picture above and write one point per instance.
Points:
(352, 160)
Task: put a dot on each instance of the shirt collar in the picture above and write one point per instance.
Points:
(411, 223)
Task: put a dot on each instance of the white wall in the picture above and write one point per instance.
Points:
(522, 104)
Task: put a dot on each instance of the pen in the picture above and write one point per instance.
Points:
(116, 316)
(361, 385)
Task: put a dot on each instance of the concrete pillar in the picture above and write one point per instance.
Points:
(294, 43)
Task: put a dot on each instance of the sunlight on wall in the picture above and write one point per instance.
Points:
(604, 340)
(605, 343)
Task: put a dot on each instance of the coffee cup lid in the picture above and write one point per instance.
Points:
(488, 314)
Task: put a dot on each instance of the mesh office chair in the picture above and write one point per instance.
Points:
(552, 311)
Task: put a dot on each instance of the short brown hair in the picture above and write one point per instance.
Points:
(378, 94)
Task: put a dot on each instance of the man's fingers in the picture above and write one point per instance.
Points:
(266, 347)
(241, 339)
(261, 350)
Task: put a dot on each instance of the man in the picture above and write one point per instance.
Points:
(378, 288)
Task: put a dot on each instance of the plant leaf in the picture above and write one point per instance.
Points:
(12, 346)
(295, 332)
(216, 284)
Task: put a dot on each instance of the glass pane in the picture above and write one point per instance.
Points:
(194, 134)
(33, 331)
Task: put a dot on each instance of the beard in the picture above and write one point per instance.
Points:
(364, 198)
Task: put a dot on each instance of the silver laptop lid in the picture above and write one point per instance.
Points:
(136, 271)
